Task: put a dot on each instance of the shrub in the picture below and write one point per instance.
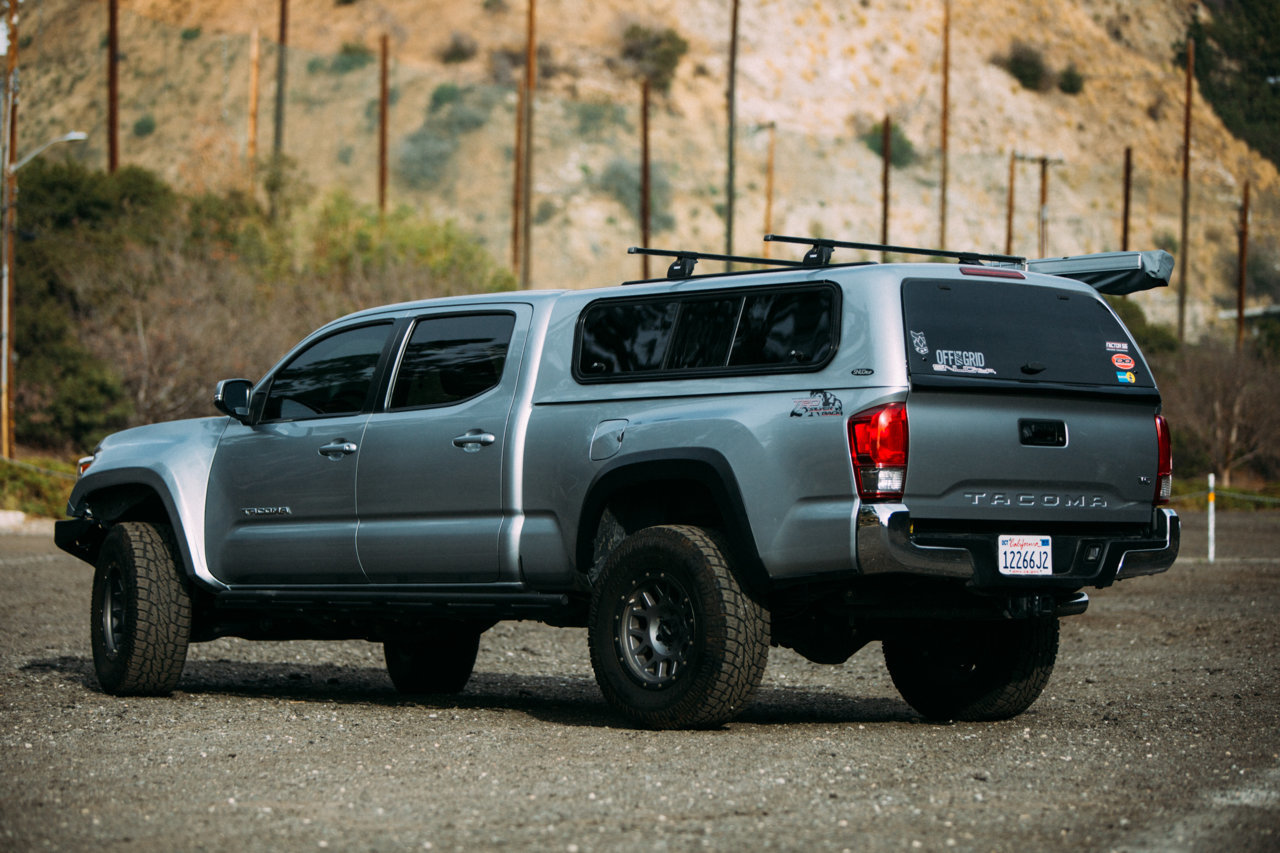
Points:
(1071, 81)
(621, 180)
(191, 34)
(654, 53)
(461, 47)
(444, 95)
(351, 57)
(144, 126)
(424, 156)
(1027, 66)
(901, 152)
(594, 117)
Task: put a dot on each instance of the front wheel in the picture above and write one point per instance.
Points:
(141, 621)
(675, 641)
(973, 670)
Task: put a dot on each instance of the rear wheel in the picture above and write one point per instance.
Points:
(974, 670)
(675, 641)
(141, 611)
(436, 660)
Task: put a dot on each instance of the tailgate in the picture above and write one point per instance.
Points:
(1004, 457)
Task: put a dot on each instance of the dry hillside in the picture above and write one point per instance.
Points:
(822, 72)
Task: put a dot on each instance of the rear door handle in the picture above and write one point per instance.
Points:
(472, 440)
(339, 448)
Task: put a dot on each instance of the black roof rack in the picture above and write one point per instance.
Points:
(682, 266)
(820, 250)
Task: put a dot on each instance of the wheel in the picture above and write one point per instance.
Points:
(675, 641)
(437, 660)
(141, 612)
(974, 671)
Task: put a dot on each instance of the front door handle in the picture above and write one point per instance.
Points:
(339, 448)
(472, 440)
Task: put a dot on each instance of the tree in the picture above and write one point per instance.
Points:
(1223, 405)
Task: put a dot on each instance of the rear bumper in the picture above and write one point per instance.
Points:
(889, 544)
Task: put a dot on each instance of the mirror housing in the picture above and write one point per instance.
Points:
(232, 398)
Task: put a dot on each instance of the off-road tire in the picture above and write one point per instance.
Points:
(675, 641)
(141, 611)
(973, 671)
(437, 660)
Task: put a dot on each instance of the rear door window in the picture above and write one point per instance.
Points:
(958, 330)
(792, 329)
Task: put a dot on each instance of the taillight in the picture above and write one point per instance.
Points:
(878, 444)
(1164, 466)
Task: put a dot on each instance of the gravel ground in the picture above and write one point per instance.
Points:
(1158, 731)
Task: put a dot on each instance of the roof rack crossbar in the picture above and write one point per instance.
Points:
(821, 257)
(682, 266)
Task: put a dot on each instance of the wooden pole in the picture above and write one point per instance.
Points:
(383, 111)
(530, 85)
(1044, 207)
(113, 85)
(255, 64)
(517, 191)
(7, 215)
(1244, 262)
(768, 185)
(731, 97)
(1128, 194)
(1008, 212)
(886, 158)
(946, 115)
(282, 67)
(1186, 194)
(645, 212)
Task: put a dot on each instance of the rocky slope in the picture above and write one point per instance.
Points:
(821, 73)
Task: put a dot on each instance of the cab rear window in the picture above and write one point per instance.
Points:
(788, 329)
(958, 330)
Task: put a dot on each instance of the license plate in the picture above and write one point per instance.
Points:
(1026, 555)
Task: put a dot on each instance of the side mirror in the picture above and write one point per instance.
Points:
(232, 398)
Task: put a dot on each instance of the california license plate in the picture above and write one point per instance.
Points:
(1026, 555)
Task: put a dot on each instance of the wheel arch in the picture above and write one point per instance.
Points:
(694, 486)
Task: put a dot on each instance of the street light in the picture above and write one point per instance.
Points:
(8, 220)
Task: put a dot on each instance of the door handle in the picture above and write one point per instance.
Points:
(472, 440)
(339, 448)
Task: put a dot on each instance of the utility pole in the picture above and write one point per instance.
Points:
(530, 83)
(732, 104)
(1186, 194)
(10, 186)
(255, 57)
(1128, 191)
(768, 185)
(1244, 262)
(946, 115)
(1008, 214)
(383, 110)
(282, 67)
(644, 174)
(517, 181)
(113, 83)
(886, 157)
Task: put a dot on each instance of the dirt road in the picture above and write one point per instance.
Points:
(1160, 730)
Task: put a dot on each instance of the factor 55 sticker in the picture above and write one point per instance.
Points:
(1122, 361)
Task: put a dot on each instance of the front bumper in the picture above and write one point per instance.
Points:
(890, 542)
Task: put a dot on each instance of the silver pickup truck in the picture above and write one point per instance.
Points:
(936, 456)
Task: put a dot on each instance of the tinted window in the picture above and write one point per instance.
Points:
(450, 359)
(1017, 333)
(792, 329)
(330, 377)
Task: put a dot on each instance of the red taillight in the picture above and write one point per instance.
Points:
(878, 444)
(1164, 465)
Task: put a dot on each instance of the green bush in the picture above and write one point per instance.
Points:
(191, 34)
(144, 126)
(1071, 81)
(444, 95)
(654, 53)
(621, 180)
(352, 57)
(1027, 66)
(595, 117)
(461, 47)
(36, 486)
(901, 152)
